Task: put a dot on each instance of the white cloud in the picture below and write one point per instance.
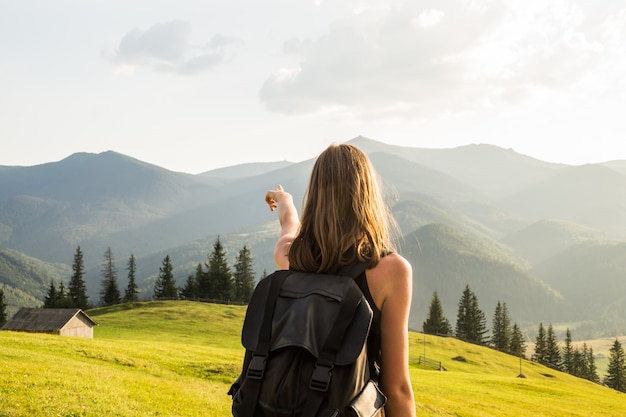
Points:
(168, 47)
(425, 59)
(429, 18)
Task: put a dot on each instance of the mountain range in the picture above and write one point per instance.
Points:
(547, 239)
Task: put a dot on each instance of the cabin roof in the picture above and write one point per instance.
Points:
(44, 319)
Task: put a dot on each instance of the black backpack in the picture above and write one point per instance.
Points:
(305, 336)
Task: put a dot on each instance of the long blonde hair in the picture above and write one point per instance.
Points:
(344, 216)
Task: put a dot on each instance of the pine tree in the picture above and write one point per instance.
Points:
(553, 353)
(110, 293)
(130, 295)
(578, 364)
(220, 275)
(568, 354)
(481, 322)
(190, 290)
(584, 365)
(517, 346)
(77, 291)
(436, 323)
(243, 278)
(3, 308)
(471, 321)
(57, 298)
(63, 297)
(52, 296)
(616, 371)
(592, 370)
(204, 287)
(165, 286)
(501, 333)
(540, 354)
(464, 324)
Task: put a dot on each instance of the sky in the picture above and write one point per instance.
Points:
(194, 85)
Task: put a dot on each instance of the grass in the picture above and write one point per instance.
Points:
(179, 358)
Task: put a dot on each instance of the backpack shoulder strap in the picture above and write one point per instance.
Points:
(256, 367)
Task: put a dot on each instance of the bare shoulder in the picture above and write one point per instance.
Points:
(395, 265)
(392, 276)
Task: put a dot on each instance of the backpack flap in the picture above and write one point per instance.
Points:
(307, 307)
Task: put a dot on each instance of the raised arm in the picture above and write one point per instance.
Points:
(281, 201)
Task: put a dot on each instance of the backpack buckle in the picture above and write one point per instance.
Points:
(256, 368)
(320, 380)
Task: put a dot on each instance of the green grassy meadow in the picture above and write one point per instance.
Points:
(178, 358)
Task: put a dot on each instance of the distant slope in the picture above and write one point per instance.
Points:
(619, 166)
(245, 170)
(592, 278)
(545, 238)
(445, 260)
(489, 169)
(86, 177)
(592, 195)
(25, 280)
(47, 210)
(422, 179)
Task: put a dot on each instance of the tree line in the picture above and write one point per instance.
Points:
(218, 282)
(471, 326)
(579, 362)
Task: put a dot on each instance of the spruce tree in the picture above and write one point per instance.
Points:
(540, 354)
(568, 354)
(3, 308)
(63, 297)
(204, 286)
(220, 276)
(471, 321)
(578, 365)
(190, 289)
(165, 286)
(243, 278)
(616, 371)
(110, 292)
(52, 297)
(517, 346)
(481, 322)
(77, 289)
(131, 292)
(436, 323)
(501, 325)
(592, 370)
(584, 365)
(553, 353)
(57, 297)
(464, 325)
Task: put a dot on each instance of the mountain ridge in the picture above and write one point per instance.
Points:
(475, 191)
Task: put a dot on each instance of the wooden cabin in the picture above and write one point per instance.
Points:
(61, 321)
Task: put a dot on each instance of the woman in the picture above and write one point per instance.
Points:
(344, 220)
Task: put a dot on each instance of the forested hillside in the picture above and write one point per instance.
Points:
(24, 279)
(446, 260)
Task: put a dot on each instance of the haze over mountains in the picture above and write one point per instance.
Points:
(547, 239)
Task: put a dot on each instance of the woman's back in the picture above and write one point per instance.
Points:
(345, 220)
